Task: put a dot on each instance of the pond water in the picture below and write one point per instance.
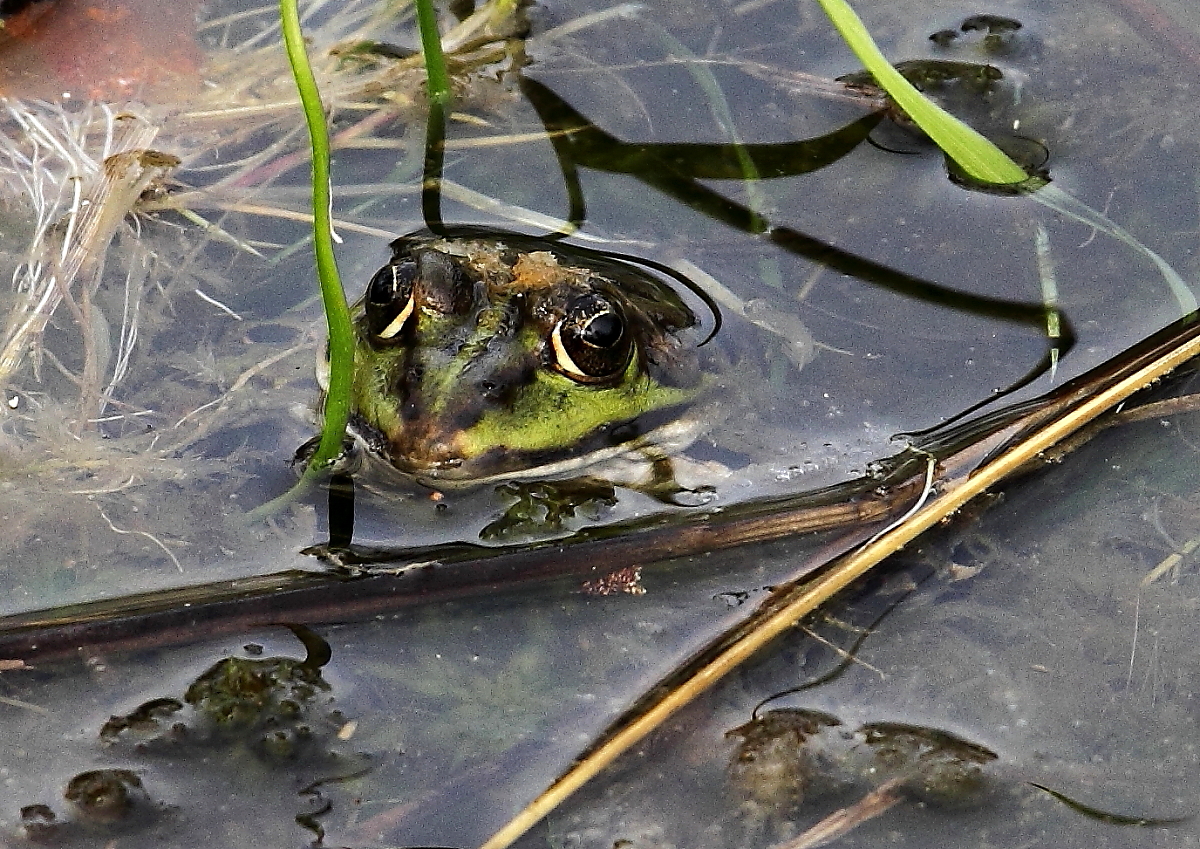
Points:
(883, 299)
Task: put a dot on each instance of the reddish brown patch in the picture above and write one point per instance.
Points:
(107, 17)
(20, 24)
(106, 49)
(627, 580)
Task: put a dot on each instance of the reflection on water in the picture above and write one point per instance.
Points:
(1010, 658)
(1067, 659)
(1045, 648)
(100, 49)
(173, 414)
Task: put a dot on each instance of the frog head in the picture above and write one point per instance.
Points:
(482, 355)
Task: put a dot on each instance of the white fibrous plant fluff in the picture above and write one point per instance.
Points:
(76, 177)
(81, 174)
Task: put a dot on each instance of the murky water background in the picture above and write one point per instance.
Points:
(1031, 634)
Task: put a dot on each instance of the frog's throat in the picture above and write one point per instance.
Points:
(554, 413)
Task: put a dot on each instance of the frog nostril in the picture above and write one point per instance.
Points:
(491, 391)
(502, 387)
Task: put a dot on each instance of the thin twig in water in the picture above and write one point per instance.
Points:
(18, 703)
(145, 534)
(209, 299)
(108, 490)
(841, 822)
(841, 652)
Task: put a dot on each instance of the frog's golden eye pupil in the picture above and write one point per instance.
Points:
(590, 343)
(389, 300)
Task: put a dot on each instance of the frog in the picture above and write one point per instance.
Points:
(273, 706)
(107, 803)
(484, 356)
(789, 762)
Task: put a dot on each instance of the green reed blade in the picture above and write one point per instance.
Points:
(337, 311)
(978, 157)
(438, 80)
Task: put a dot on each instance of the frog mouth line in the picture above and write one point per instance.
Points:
(650, 433)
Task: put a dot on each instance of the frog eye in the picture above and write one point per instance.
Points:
(591, 342)
(389, 298)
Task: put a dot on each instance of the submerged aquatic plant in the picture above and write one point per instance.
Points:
(128, 227)
(76, 177)
(82, 173)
